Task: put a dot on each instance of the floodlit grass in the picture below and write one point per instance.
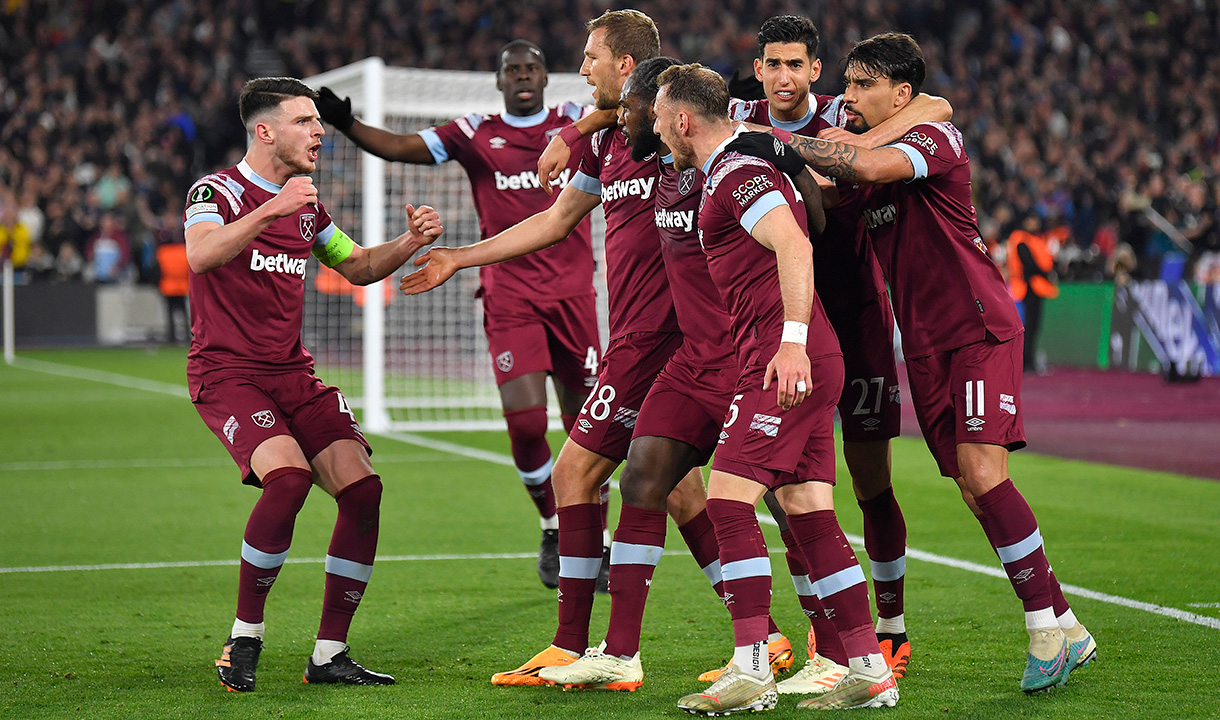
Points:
(101, 474)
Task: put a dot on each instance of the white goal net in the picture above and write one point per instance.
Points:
(410, 363)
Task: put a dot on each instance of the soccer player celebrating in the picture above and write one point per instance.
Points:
(779, 431)
(249, 231)
(852, 291)
(540, 313)
(961, 334)
(679, 423)
(644, 333)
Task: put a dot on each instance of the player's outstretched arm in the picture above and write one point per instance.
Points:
(211, 245)
(856, 164)
(368, 265)
(922, 108)
(532, 234)
(779, 232)
(382, 143)
(555, 156)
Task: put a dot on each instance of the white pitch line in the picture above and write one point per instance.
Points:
(144, 463)
(499, 459)
(102, 376)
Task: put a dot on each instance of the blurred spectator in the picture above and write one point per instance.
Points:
(174, 277)
(14, 237)
(1031, 280)
(69, 265)
(108, 252)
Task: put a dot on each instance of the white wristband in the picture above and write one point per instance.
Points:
(795, 332)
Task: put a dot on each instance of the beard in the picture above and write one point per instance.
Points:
(299, 162)
(859, 126)
(684, 157)
(643, 142)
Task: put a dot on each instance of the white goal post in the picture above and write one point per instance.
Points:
(410, 363)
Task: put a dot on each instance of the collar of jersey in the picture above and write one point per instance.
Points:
(790, 125)
(524, 121)
(711, 159)
(244, 168)
(668, 159)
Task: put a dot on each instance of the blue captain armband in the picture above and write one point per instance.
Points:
(336, 249)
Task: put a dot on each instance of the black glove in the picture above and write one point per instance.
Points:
(769, 148)
(746, 87)
(335, 111)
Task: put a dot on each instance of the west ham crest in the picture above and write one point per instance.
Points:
(307, 226)
(263, 418)
(504, 361)
(687, 181)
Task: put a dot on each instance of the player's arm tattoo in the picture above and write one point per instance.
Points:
(829, 158)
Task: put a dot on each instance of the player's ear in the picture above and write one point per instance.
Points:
(758, 65)
(815, 70)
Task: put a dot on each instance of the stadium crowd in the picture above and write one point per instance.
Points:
(1086, 113)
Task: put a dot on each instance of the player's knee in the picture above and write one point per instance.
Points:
(642, 489)
(528, 425)
(362, 497)
(288, 486)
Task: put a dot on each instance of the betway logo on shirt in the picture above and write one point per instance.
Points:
(684, 219)
(620, 189)
(528, 180)
(280, 263)
(874, 218)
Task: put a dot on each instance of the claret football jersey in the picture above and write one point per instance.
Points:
(739, 191)
(639, 295)
(500, 156)
(246, 314)
(947, 291)
(701, 313)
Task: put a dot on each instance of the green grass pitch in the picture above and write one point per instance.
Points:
(97, 474)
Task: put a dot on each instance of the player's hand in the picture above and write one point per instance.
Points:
(298, 192)
(552, 162)
(791, 370)
(769, 148)
(746, 87)
(436, 266)
(839, 135)
(335, 111)
(424, 224)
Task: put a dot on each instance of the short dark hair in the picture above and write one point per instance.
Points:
(519, 44)
(628, 32)
(262, 94)
(643, 80)
(895, 56)
(788, 29)
(699, 88)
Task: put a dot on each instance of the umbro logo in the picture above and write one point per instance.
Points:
(266, 581)
(353, 596)
(871, 423)
(723, 436)
(585, 425)
(497, 143)
(976, 423)
(887, 598)
(1022, 576)
(727, 599)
